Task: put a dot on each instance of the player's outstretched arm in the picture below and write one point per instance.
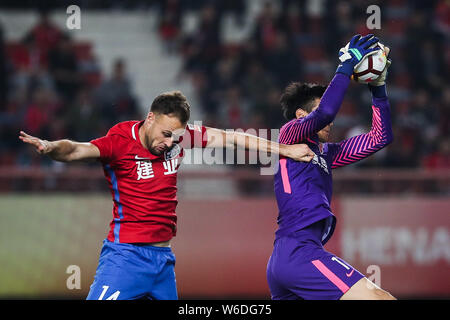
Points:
(62, 150)
(218, 138)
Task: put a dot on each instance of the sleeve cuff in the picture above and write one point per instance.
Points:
(378, 91)
(345, 68)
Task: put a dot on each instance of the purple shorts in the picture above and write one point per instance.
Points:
(300, 268)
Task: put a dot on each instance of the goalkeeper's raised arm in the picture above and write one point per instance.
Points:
(359, 147)
(309, 107)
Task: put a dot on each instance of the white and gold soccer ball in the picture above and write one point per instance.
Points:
(371, 67)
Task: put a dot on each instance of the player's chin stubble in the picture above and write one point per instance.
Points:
(152, 150)
(155, 151)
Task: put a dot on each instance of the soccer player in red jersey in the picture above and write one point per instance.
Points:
(141, 161)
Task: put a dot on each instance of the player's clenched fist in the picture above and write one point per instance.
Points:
(42, 146)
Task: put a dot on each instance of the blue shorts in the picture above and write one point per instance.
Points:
(300, 268)
(129, 271)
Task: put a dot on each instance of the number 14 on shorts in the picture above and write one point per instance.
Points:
(114, 296)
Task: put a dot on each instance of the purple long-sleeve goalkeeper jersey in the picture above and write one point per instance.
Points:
(304, 189)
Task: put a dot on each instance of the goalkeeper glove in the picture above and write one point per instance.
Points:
(381, 80)
(355, 51)
(378, 86)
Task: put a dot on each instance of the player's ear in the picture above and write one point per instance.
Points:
(151, 117)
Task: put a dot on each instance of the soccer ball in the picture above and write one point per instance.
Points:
(371, 67)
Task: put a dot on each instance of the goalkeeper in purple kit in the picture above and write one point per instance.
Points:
(299, 267)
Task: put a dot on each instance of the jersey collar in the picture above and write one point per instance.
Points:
(135, 135)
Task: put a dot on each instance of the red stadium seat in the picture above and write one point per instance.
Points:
(8, 159)
(315, 78)
(83, 50)
(312, 53)
(315, 25)
(447, 54)
(231, 49)
(396, 26)
(92, 79)
(18, 54)
(403, 79)
(397, 3)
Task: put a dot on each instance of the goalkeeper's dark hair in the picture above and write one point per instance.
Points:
(172, 103)
(300, 95)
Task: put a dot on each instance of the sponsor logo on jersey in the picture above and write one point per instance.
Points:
(144, 170)
(321, 162)
(170, 167)
(173, 152)
(141, 158)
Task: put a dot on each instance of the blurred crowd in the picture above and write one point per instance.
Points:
(239, 84)
(51, 86)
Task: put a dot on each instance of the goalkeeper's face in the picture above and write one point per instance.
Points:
(324, 134)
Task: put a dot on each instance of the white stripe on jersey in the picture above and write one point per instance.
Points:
(132, 130)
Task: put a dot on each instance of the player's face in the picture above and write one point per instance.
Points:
(162, 130)
(324, 134)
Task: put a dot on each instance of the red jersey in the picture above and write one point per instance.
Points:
(143, 186)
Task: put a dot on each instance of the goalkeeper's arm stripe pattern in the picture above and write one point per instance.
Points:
(296, 131)
(299, 130)
(362, 146)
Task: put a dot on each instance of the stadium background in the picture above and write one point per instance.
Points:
(231, 59)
